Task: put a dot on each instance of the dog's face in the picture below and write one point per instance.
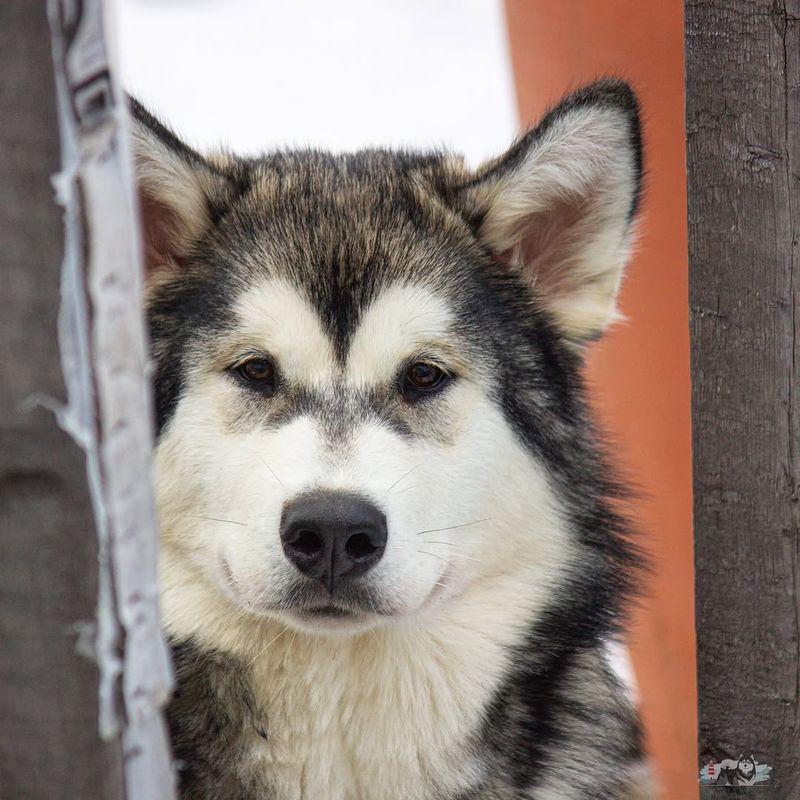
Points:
(366, 365)
(747, 765)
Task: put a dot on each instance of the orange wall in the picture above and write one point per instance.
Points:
(640, 372)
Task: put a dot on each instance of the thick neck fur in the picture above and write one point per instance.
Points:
(348, 716)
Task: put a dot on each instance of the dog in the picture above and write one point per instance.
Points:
(741, 772)
(391, 554)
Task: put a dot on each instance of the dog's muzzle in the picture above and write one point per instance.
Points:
(332, 536)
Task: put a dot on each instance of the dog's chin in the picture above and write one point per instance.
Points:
(333, 616)
(314, 615)
(307, 609)
(331, 620)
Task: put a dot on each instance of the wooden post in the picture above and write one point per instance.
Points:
(49, 742)
(743, 149)
(83, 666)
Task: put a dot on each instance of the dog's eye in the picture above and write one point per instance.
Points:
(422, 378)
(258, 372)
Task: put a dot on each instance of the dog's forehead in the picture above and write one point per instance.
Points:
(400, 321)
(349, 220)
(341, 235)
(378, 169)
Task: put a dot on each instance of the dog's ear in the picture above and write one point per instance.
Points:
(559, 205)
(180, 193)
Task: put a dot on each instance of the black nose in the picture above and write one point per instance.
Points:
(332, 535)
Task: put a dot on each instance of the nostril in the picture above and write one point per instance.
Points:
(360, 545)
(307, 542)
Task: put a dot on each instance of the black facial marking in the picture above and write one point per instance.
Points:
(338, 411)
(182, 315)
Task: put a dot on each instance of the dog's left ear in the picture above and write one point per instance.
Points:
(560, 203)
(181, 193)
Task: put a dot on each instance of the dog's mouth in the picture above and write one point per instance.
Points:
(353, 607)
(331, 618)
(329, 612)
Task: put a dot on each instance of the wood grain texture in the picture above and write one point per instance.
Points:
(49, 742)
(108, 411)
(743, 150)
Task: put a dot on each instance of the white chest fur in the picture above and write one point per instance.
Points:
(385, 714)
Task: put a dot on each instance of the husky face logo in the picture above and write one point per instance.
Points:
(747, 766)
(366, 368)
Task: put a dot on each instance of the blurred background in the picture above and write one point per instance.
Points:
(468, 75)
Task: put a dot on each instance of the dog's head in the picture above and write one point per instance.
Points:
(746, 765)
(367, 365)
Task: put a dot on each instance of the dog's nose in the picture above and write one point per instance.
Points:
(331, 535)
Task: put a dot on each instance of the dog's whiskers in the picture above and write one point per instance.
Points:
(272, 471)
(291, 642)
(409, 488)
(453, 544)
(213, 519)
(183, 537)
(433, 555)
(248, 609)
(267, 646)
(401, 478)
(453, 527)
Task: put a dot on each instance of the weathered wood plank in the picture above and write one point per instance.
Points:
(104, 357)
(49, 742)
(78, 546)
(743, 151)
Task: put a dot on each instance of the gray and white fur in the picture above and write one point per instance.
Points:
(391, 557)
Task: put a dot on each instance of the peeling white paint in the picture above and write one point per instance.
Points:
(103, 357)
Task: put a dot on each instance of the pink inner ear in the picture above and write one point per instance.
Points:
(159, 232)
(546, 244)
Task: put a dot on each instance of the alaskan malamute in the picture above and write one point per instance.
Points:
(390, 555)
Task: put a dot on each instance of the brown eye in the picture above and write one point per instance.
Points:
(258, 372)
(421, 378)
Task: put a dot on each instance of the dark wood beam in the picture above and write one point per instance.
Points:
(743, 150)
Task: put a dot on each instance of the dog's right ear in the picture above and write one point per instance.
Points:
(558, 207)
(180, 193)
